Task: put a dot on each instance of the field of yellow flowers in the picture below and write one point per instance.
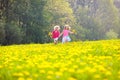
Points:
(83, 60)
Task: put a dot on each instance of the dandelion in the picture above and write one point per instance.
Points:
(63, 69)
(87, 68)
(50, 72)
(21, 78)
(119, 72)
(71, 70)
(108, 73)
(50, 34)
(26, 73)
(35, 75)
(18, 74)
(119, 76)
(82, 63)
(29, 79)
(75, 66)
(59, 73)
(1, 66)
(49, 77)
(19, 67)
(71, 78)
(97, 76)
(74, 31)
(80, 71)
(42, 71)
(105, 79)
(92, 70)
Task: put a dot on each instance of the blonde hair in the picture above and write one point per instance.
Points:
(67, 27)
(56, 27)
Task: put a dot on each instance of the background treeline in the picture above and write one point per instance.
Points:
(30, 21)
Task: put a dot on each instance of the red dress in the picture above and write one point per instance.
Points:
(55, 33)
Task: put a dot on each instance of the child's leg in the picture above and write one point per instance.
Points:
(55, 40)
(64, 39)
(68, 38)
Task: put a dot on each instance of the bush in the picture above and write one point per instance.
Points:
(111, 34)
(13, 34)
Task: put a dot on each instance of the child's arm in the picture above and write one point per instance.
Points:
(61, 34)
(71, 32)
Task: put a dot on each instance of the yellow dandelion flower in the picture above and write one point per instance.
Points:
(26, 73)
(118, 59)
(74, 31)
(92, 70)
(119, 76)
(42, 71)
(19, 67)
(71, 78)
(21, 78)
(80, 71)
(108, 73)
(29, 79)
(87, 69)
(49, 77)
(35, 75)
(59, 73)
(105, 79)
(75, 66)
(97, 76)
(50, 72)
(71, 70)
(1, 66)
(50, 34)
(63, 69)
(83, 63)
(119, 72)
(18, 74)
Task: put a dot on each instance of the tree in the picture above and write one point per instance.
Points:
(23, 20)
(2, 31)
(59, 12)
(117, 5)
(96, 15)
(13, 34)
(33, 22)
(111, 34)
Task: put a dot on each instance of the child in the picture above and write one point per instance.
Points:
(56, 33)
(65, 34)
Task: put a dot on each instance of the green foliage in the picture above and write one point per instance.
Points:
(111, 34)
(31, 20)
(34, 22)
(2, 32)
(13, 33)
(60, 12)
(96, 17)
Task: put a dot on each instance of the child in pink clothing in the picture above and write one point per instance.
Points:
(65, 34)
(56, 34)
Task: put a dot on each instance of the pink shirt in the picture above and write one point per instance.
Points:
(65, 32)
(55, 34)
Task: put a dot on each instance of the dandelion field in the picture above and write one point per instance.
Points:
(87, 60)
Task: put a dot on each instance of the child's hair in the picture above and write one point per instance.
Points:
(56, 27)
(67, 27)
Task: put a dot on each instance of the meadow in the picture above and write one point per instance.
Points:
(83, 60)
